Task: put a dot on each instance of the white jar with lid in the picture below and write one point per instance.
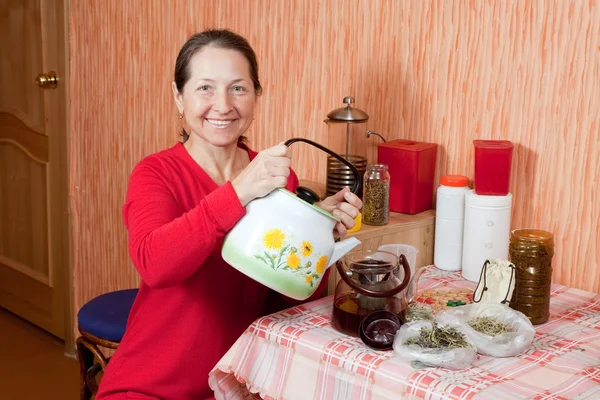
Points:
(487, 231)
(449, 222)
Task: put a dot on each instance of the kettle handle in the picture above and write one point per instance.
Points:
(374, 293)
(357, 178)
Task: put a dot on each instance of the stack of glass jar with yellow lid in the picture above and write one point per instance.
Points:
(531, 252)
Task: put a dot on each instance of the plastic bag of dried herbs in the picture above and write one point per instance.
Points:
(429, 344)
(496, 329)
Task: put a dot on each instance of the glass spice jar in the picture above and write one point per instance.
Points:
(531, 252)
(376, 195)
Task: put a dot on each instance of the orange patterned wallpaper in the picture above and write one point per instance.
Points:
(438, 71)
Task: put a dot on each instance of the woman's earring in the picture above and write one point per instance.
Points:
(181, 115)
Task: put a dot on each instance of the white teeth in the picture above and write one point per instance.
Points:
(217, 122)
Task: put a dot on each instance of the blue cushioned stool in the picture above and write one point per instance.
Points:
(101, 322)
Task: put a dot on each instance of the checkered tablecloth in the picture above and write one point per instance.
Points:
(296, 354)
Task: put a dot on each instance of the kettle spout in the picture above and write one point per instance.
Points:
(341, 248)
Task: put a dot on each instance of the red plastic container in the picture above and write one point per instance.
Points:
(412, 169)
(493, 159)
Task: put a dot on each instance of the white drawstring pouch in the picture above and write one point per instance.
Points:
(496, 282)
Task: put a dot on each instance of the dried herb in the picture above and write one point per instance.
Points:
(439, 337)
(419, 312)
(419, 365)
(376, 208)
(489, 326)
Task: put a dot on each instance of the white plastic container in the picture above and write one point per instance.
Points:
(449, 222)
(487, 231)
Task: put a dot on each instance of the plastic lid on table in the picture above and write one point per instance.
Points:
(378, 329)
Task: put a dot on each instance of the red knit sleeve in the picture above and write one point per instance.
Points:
(167, 248)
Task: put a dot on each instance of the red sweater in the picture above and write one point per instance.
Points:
(191, 306)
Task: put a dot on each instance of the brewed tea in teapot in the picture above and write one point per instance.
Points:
(369, 283)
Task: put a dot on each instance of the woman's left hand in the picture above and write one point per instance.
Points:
(343, 205)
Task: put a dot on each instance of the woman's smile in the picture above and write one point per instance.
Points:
(219, 123)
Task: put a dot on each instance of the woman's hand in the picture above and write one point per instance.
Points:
(344, 205)
(269, 170)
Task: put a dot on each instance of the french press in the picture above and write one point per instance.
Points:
(343, 121)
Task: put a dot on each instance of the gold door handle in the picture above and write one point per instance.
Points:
(47, 81)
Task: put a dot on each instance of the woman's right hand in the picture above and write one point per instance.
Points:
(269, 170)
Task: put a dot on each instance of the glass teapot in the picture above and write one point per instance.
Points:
(369, 284)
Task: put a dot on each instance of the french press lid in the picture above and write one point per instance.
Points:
(347, 114)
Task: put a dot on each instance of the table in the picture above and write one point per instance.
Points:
(296, 354)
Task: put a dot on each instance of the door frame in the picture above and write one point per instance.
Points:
(70, 346)
(55, 36)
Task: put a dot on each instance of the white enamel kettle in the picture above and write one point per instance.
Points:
(285, 241)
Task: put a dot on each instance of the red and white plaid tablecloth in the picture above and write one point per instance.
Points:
(296, 354)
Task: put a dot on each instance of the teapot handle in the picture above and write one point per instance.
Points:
(374, 293)
(357, 178)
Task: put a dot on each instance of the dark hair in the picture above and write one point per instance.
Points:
(221, 38)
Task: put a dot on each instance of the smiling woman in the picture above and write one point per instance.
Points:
(218, 100)
(217, 40)
(180, 204)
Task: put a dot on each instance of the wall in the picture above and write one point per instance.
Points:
(444, 72)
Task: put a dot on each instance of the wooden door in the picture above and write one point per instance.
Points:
(34, 218)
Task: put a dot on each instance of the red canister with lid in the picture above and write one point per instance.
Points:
(412, 170)
(493, 160)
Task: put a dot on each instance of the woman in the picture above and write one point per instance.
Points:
(181, 202)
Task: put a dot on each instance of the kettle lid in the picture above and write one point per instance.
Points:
(309, 204)
(347, 114)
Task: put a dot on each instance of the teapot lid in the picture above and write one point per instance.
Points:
(379, 328)
(347, 114)
(316, 208)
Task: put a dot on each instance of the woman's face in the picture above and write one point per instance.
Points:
(218, 99)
